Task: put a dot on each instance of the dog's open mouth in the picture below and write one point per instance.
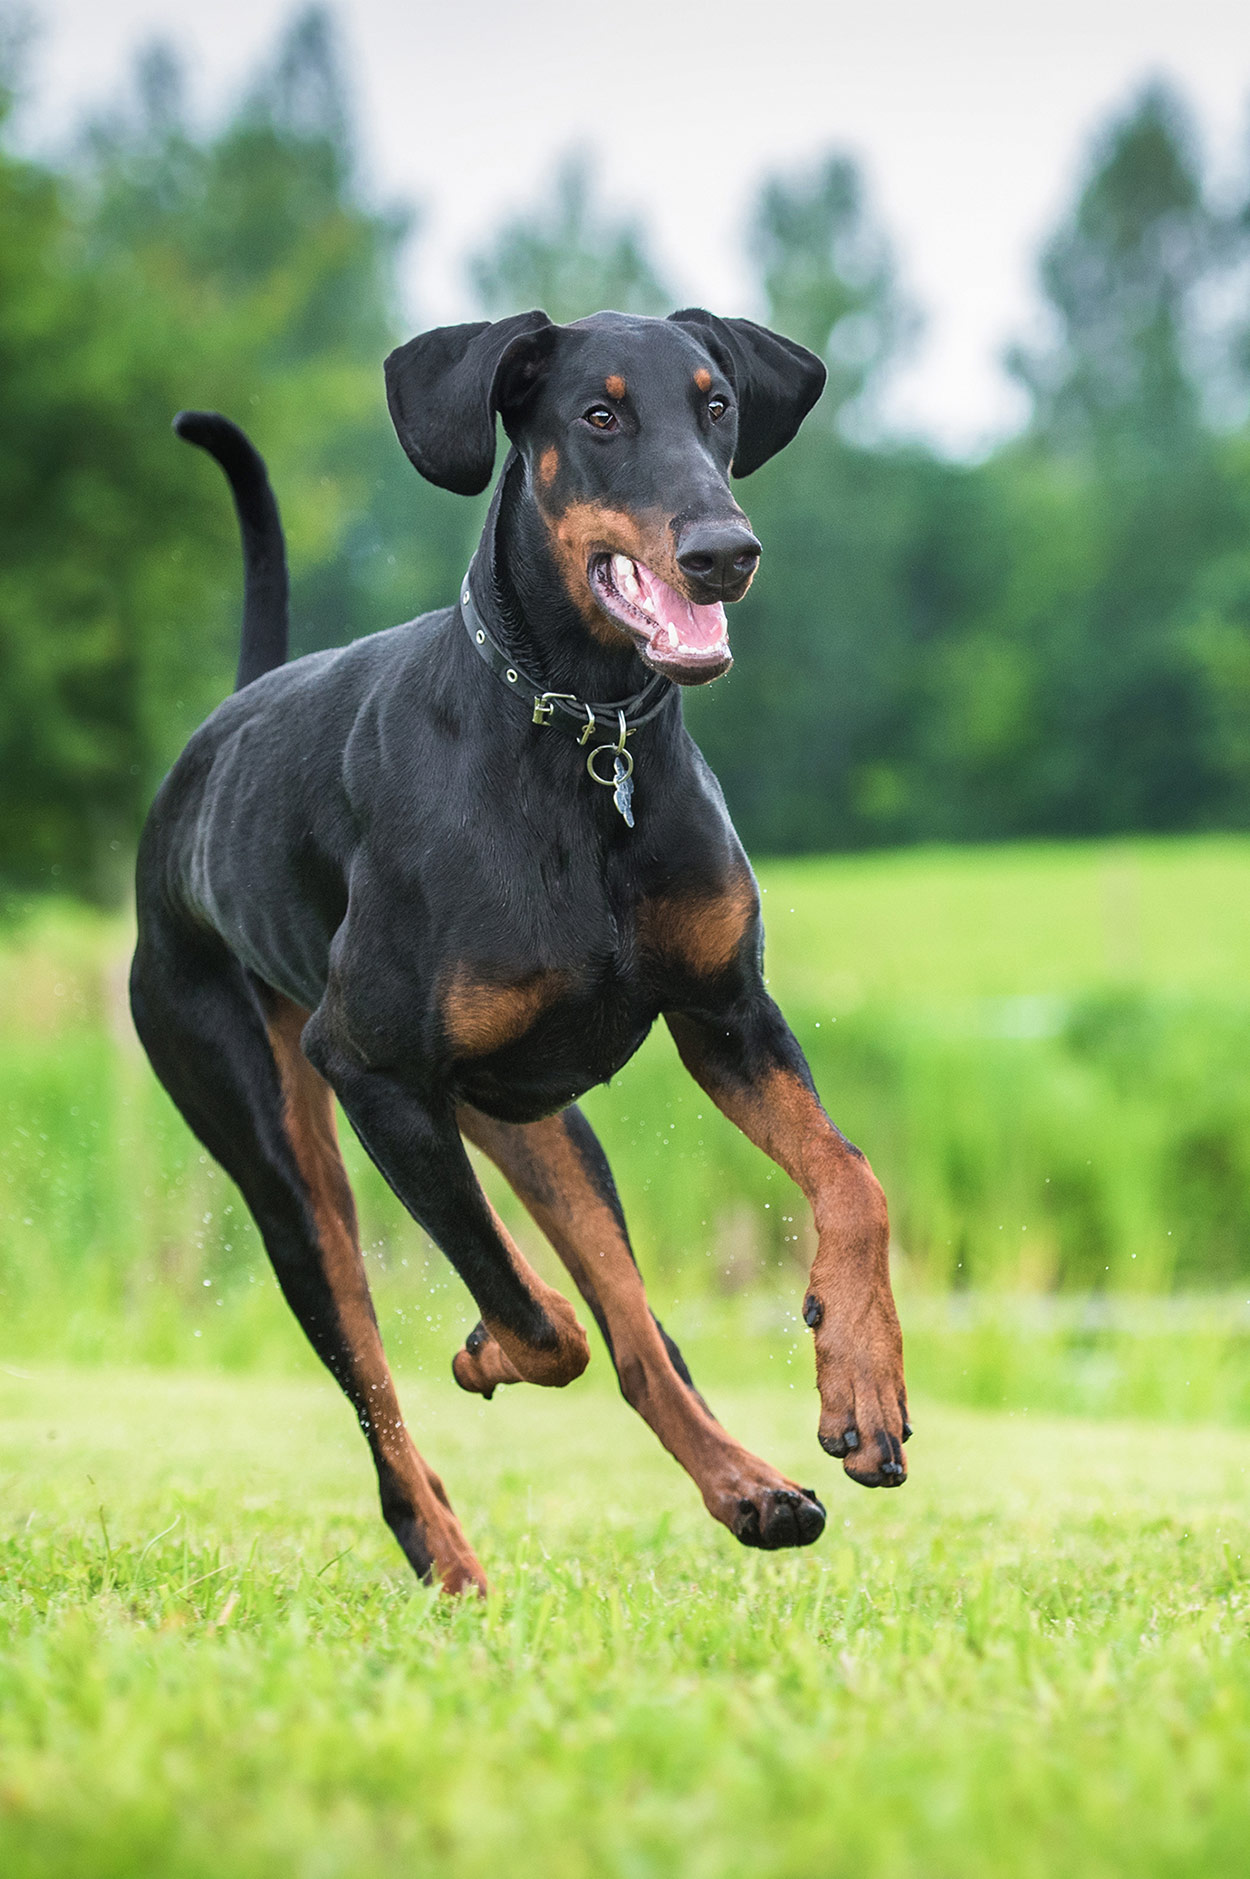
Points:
(683, 641)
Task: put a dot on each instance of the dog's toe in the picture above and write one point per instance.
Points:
(890, 1470)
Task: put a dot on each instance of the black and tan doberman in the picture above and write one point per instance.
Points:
(429, 875)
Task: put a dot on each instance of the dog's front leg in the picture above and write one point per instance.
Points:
(749, 1062)
(414, 1140)
(561, 1173)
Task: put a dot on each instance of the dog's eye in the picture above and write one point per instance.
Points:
(716, 408)
(601, 418)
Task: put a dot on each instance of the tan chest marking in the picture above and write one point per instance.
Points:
(479, 1018)
(703, 933)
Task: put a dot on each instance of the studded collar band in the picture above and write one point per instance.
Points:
(564, 711)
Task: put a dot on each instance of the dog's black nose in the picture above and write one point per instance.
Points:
(719, 556)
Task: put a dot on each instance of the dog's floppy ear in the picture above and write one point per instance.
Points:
(776, 381)
(444, 388)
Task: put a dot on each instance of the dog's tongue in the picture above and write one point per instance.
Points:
(682, 628)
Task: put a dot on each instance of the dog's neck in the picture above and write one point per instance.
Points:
(533, 614)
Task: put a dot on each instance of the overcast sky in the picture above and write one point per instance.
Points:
(971, 119)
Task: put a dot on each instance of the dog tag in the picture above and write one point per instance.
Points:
(623, 793)
(619, 782)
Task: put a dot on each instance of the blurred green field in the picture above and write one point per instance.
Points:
(213, 1661)
(1044, 1051)
(1048, 920)
(213, 1664)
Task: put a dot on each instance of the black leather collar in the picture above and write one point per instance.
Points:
(563, 711)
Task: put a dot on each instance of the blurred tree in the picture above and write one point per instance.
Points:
(267, 216)
(1056, 640)
(262, 238)
(828, 275)
(1123, 276)
(568, 256)
(92, 515)
(242, 270)
(1118, 429)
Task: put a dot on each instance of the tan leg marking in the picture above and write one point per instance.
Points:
(479, 1018)
(548, 1174)
(859, 1345)
(514, 1361)
(313, 1134)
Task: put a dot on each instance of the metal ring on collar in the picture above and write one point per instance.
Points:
(614, 751)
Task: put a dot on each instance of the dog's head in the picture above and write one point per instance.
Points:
(629, 430)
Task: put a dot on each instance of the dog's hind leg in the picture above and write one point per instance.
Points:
(560, 1172)
(410, 1131)
(229, 1054)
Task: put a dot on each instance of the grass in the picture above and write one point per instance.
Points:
(213, 1665)
(1036, 919)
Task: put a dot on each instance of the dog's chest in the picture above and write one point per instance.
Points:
(526, 1040)
(529, 1039)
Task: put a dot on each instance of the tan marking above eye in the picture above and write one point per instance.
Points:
(702, 933)
(479, 1017)
(703, 379)
(548, 464)
(614, 385)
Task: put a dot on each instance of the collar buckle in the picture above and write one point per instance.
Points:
(544, 708)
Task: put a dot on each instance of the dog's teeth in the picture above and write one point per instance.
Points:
(622, 571)
(671, 634)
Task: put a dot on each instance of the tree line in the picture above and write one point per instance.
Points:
(1052, 641)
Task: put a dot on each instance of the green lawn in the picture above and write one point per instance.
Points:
(1059, 919)
(1032, 1661)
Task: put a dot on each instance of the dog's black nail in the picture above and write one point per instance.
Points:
(813, 1311)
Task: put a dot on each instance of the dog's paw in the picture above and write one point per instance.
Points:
(481, 1366)
(863, 1397)
(867, 1437)
(775, 1517)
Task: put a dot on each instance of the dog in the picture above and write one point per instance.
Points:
(428, 874)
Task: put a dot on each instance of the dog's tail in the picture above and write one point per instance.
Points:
(265, 584)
